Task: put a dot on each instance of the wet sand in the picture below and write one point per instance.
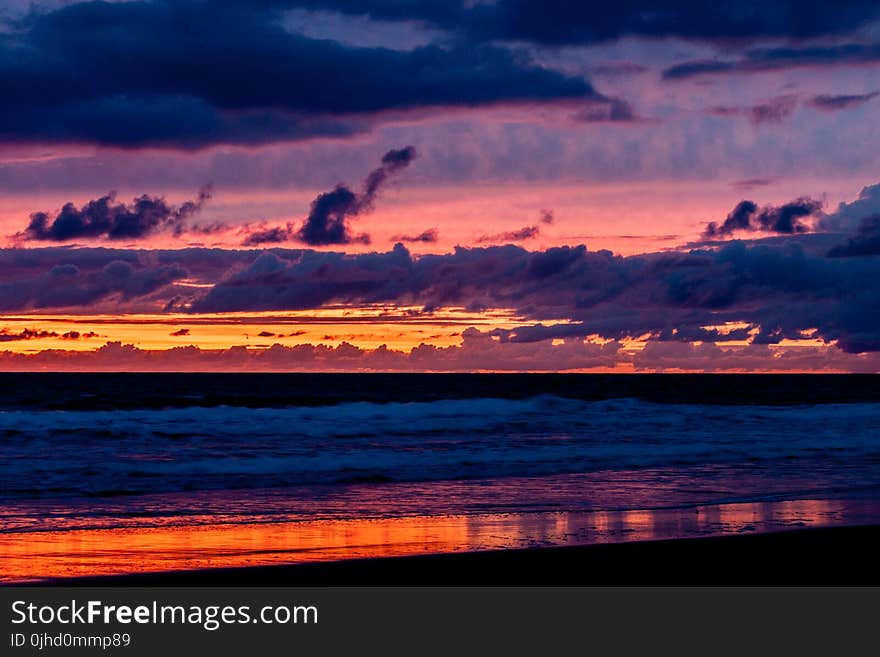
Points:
(725, 542)
(827, 556)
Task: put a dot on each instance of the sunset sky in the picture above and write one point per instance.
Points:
(440, 185)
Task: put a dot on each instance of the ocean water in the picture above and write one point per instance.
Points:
(98, 451)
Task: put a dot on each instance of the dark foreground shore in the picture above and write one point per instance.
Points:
(825, 556)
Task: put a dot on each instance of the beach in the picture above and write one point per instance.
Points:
(345, 476)
(829, 534)
(804, 557)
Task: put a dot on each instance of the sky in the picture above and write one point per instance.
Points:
(440, 185)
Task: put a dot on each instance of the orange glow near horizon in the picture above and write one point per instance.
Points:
(367, 327)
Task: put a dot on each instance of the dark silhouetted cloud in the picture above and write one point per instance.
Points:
(834, 103)
(25, 334)
(104, 217)
(327, 222)
(784, 219)
(524, 233)
(274, 235)
(179, 332)
(772, 59)
(429, 236)
(773, 111)
(612, 110)
(393, 161)
(76, 335)
(740, 218)
(751, 183)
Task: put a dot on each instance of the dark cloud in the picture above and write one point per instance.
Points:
(780, 290)
(775, 287)
(25, 334)
(545, 217)
(772, 59)
(61, 278)
(866, 242)
(560, 22)
(104, 217)
(179, 332)
(849, 217)
(524, 233)
(784, 219)
(392, 162)
(727, 110)
(206, 229)
(429, 236)
(196, 73)
(751, 183)
(740, 218)
(76, 335)
(833, 103)
(773, 111)
(327, 222)
(274, 235)
(612, 110)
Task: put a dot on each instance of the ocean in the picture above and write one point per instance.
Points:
(104, 452)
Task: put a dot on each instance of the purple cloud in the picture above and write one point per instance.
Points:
(830, 103)
(425, 237)
(104, 217)
(785, 219)
(327, 222)
(525, 233)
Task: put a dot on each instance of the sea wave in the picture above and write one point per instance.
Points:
(105, 453)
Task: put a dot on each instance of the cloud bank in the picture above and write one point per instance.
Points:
(193, 74)
(558, 22)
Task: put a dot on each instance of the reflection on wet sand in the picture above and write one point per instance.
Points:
(40, 555)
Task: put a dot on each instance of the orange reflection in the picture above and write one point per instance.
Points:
(32, 556)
